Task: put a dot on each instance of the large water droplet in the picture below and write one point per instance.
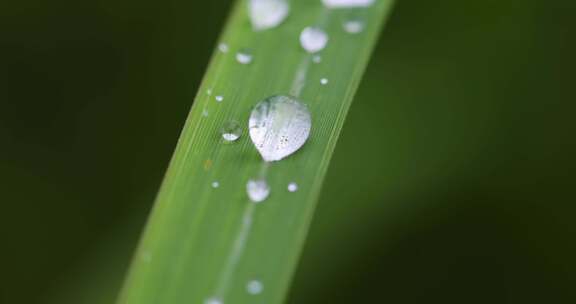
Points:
(258, 190)
(244, 56)
(266, 14)
(353, 26)
(347, 3)
(231, 131)
(279, 126)
(313, 39)
(254, 287)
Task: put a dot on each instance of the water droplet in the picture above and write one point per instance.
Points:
(292, 187)
(316, 58)
(231, 131)
(279, 125)
(244, 56)
(223, 47)
(266, 14)
(347, 3)
(254, 287)
(215, 184)
(313, 39)
(209, 92)
(219, 98)
(213, 301)
(324, 81)
(205, 113)
(353, 26)
(258, 190)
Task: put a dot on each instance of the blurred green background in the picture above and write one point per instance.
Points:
(453, 181)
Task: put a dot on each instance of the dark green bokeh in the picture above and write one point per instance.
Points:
(452, 183)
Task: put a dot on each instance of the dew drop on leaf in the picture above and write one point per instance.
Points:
(353, 26)
(254, 287)
(267, 14)
(244, 56)
(347, 3)
(313, 39)
(213, 301)
(292, 187)
(219, 98)
(324, 81)
(231, 131)
(215, 184)
(223, 47)
(258, 190)
(279, 126)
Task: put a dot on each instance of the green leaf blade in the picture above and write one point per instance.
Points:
(203, 242)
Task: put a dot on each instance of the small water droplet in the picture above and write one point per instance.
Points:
(215, 184)
(205, 113)
(219, 98)
(353, 26)
(266, 14)
(258, 190)
(316, 58)
(209, 92)
(231, 131)
(347, 3)
(279, 126)
(324, 81)
(223, 47)
(313, 39)
(292, 187)
(213, 301)
(254, 287)
(244, 56)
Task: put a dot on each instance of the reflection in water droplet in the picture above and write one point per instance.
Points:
(231, 131)
(353, 26)
(316, 58)
(244, 56)
(266, 14)
(258, 190)
(254, 287)
(219, 98)
(223, 47)
(292, 187)
(323, 81)
(215, 184)
(313, 39)
(347, 3)
(279, 125)
(213, 301)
